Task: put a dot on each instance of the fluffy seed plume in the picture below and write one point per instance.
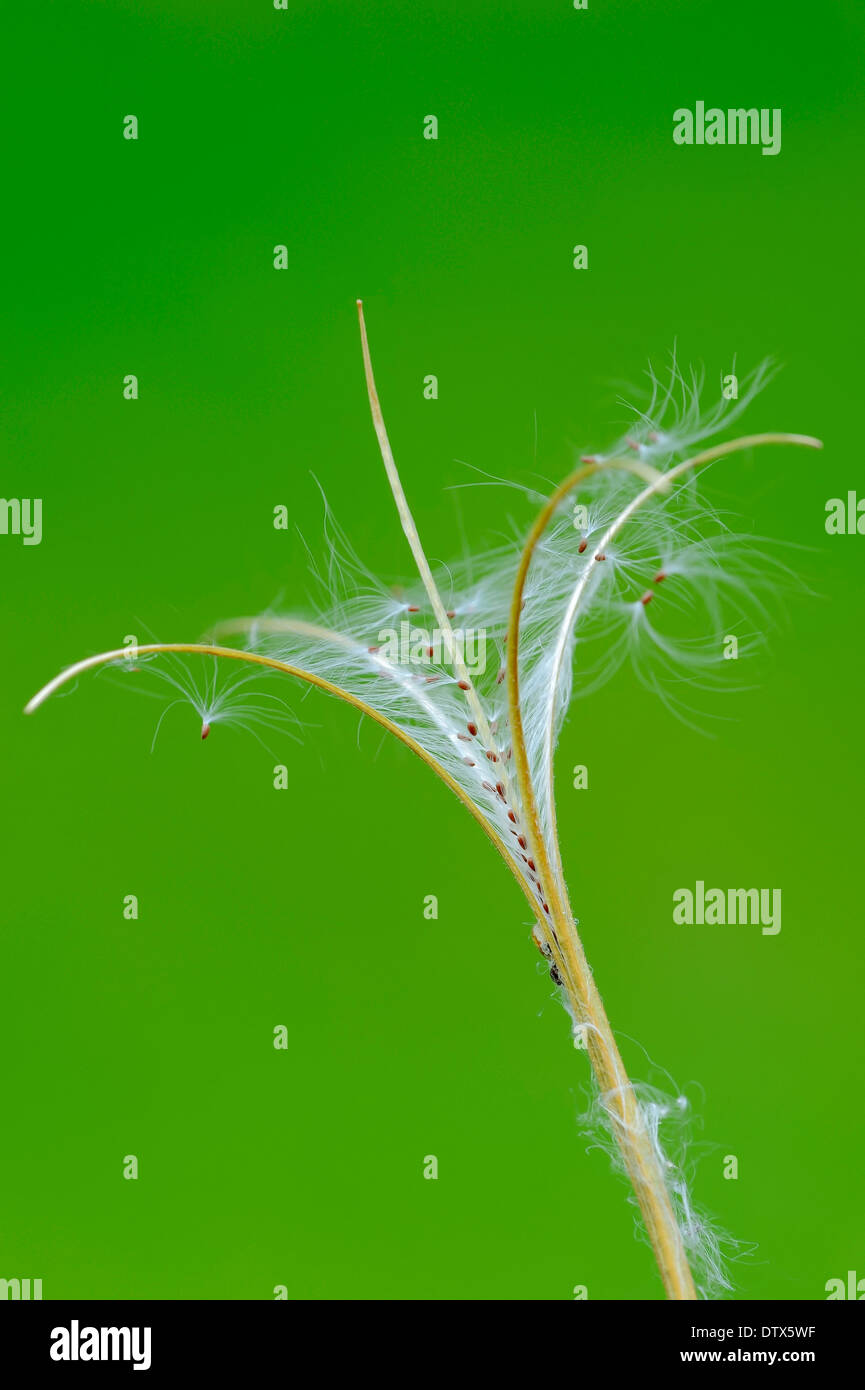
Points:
(474, 668)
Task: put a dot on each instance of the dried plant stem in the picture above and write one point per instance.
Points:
(618, 1097)
(617, 1094)
(563, 942)
(639, 1153)
(630, 1123)
(619, 1101)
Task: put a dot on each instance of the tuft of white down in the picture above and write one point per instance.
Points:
(584, 614)
(660, 584)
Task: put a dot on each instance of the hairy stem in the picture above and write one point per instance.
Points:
(617, 1094)
(415, 545)
(618, 1098)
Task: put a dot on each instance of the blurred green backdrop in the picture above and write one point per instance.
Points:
(304, 908)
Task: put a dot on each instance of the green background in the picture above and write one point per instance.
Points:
(257, 907)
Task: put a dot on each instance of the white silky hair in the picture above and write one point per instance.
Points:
(713, 579)
(668, 1122)
(662, 591)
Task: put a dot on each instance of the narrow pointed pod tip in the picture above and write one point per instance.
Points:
(414, 541)
(660, 483)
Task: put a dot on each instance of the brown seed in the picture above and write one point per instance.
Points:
(473, 729)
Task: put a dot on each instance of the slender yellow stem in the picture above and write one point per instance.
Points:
(555, 918)
(615, 1088)
(617, 1094)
